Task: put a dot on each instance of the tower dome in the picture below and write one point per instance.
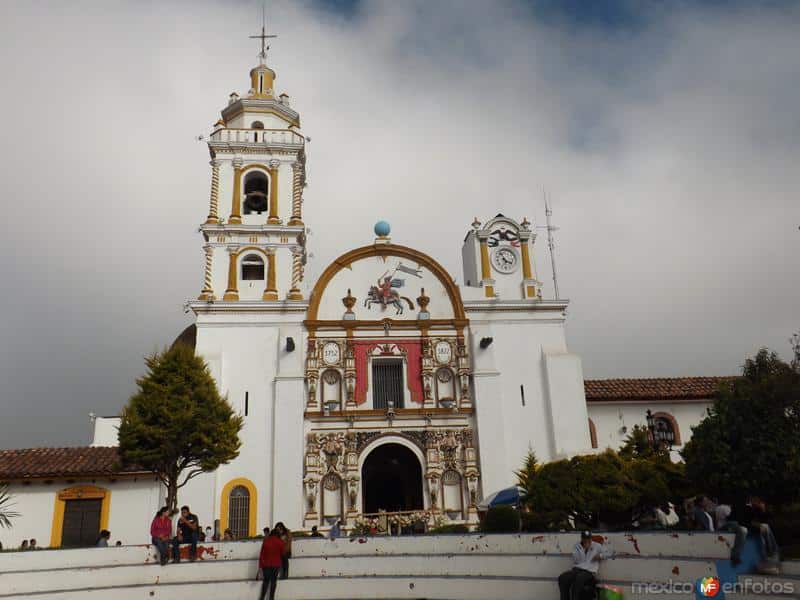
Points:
(262, 81)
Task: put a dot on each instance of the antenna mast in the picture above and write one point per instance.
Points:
(551, 244)
(262, 56)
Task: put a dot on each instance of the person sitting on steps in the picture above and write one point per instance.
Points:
(586, 557)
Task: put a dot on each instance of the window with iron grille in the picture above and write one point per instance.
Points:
(387, 383)
(239, 512)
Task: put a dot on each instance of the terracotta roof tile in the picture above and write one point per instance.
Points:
(658, 388)
(34, 463)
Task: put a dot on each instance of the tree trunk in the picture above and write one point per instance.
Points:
(172, 493)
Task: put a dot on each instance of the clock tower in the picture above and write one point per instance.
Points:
(497, 258)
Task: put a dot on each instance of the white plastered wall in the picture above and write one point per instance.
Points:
(132, 507)
(615, 420)
(527, 350)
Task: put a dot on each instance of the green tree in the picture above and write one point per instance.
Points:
(639, 445)
(527, 473)
(591, 488)
(6, 502)
(177, 425)
(748, 442)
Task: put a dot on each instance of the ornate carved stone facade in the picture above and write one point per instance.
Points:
(332, 461)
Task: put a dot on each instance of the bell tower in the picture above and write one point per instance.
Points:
(254, 235)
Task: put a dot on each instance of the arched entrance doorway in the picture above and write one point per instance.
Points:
(392, 480)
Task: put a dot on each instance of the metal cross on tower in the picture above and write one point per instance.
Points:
(264, 36)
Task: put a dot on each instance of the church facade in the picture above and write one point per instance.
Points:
(380, 386)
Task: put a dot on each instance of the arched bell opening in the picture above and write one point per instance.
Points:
(392, 480)
(256, 193)
(252, 268)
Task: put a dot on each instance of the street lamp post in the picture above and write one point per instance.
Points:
(660, 437)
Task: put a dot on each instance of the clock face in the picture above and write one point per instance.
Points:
(331, 353)
(443, 352)
(504, 259)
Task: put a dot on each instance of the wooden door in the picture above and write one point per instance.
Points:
(81, 523)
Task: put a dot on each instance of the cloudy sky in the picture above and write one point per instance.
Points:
(667, 135)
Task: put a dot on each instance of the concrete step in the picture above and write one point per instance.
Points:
(541, 567)
(321, 588)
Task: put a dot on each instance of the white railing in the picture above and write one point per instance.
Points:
(267, 137)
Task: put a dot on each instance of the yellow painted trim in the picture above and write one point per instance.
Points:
(486, 272)
(527, 271)
(271, 293)
(79, 492)
(237, 109)
(526, 261)
(232, 293)
(225, 501)
(236, 201)
(384, 250)
(273, 197)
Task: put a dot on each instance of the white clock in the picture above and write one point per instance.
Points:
(443, 352)
(505, 259)
(331, 353)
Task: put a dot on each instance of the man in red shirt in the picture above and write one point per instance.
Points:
(269, 561)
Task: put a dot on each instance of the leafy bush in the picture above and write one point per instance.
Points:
(453, 528)
(588, 489)
(786, 527)
(544, 521)
(501, 519)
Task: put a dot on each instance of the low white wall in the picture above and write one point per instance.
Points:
(448, 566)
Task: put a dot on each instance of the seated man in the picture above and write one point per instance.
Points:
(187, 533)
(586, 557)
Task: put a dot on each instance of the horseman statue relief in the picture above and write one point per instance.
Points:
(385, 292)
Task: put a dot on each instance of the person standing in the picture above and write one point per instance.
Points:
(586, 557)
(702, 519)
(102, 540)
(188, 527)
(161, 532)
(286, 538)
(336, 531)
(270, 561)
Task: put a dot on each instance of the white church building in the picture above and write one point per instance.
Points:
(380, 386)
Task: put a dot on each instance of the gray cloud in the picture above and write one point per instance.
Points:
(670, 151)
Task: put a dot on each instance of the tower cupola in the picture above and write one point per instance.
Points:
(262, 81)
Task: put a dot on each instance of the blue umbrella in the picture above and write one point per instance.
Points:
(509, 496)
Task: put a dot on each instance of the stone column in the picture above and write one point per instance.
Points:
(236, 200)
(297, 194)
(273, 219)
(529, 281)
(213, 217)
(208, 291)
(297, 274)
(232, 293)
(271, 293)
(486, 272)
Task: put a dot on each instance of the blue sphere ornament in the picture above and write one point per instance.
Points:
(382, 229)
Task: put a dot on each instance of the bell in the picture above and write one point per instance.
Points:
(256, 201)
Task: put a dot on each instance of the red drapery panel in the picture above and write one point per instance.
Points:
(413, 352)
